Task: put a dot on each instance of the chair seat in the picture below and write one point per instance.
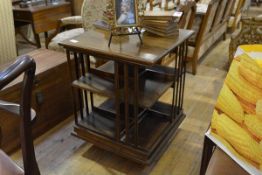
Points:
(63, 36)
(8, 167)
(220, 163)
(54, 44)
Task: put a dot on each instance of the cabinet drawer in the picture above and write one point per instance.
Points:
(22, 16)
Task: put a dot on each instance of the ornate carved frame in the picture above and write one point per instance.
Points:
(250, 33)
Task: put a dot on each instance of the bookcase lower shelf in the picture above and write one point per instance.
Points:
(155, 131)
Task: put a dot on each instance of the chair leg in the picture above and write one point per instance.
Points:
(206, 155)
(224, 36)
(194, 66)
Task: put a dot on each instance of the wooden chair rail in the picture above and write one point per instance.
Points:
(25, 65)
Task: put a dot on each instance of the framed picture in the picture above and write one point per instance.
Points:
(126, 13)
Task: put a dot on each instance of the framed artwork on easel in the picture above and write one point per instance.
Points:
(126, 13)
(125, 21)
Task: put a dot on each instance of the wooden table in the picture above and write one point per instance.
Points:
(132, 122)
(43, 17)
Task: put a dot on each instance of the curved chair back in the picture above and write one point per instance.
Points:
(27, 66)
(92, 10)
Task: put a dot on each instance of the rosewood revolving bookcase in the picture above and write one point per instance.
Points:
(131, 121)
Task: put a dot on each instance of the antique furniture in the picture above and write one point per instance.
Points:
(89, 14)
(236, 14)
(43, 17)
(51, 97)
(188, 16)
(209, 27)
(131, 121)
(250, 33)
(25, 65)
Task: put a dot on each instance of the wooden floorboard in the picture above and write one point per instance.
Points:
(59, 153)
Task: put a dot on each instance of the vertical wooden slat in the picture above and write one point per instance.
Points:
(136, 105)
(126, 102)
(7, 33)
(117, 103)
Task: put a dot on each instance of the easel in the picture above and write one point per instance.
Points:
(121, 31)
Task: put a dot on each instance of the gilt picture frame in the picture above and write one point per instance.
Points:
(126, 13)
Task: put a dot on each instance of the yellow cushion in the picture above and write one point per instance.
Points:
(254, 51)
(237, 119)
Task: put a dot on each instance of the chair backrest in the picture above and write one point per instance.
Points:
(236, 13)
(238, 5)
(228, 10)
(77, 6)
(27, 66)
(92, 10)
(189, 12)
(207, 20)
(220, 11)
(210, 15)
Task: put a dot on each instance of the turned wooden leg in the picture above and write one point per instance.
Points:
(194, 66)
(206, 155)
(224, 36)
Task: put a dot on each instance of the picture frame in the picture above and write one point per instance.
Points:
(126, 13)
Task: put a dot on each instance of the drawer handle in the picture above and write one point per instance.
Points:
(39, 96)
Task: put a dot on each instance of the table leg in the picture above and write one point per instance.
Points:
(136, 105)
(37, 40)
(80, 95)
(72, 78)
(82, 62)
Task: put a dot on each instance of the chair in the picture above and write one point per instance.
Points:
(27, 66)
(250, 33)
(209, 27)
(188, 17)
(90, 12)
(236, 14)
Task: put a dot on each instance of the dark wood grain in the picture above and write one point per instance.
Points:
(51, 97)
(127, 48)
(132, 84)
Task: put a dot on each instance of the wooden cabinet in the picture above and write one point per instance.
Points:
(51, 97)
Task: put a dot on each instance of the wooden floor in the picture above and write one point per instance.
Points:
(59, 153)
